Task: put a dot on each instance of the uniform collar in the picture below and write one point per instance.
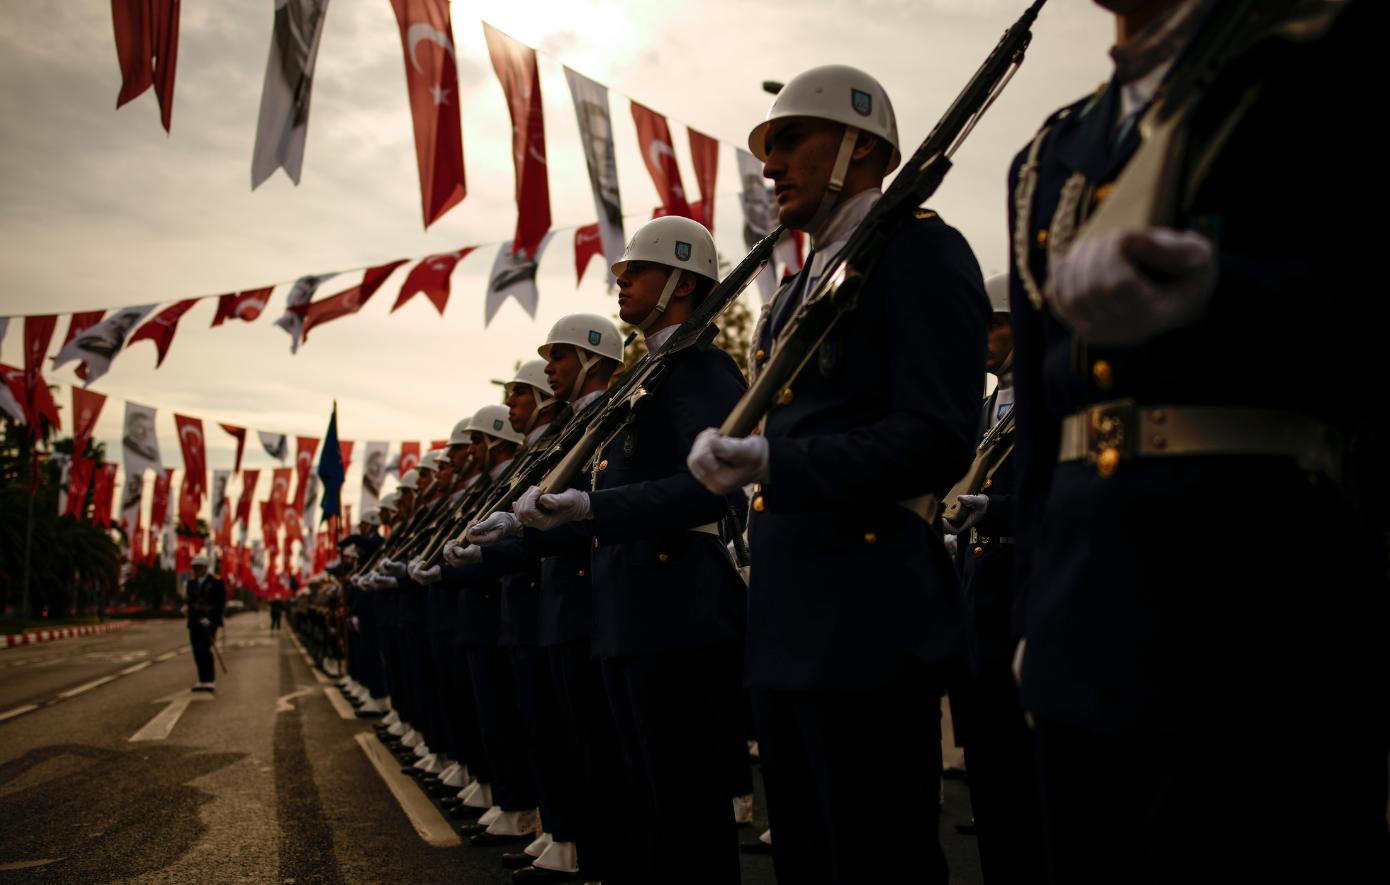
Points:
(659, 337)
(498, 470)
(835, 231)
(536, 434)
(583, 402)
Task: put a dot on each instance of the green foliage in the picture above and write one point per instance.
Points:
(72, 563)
(151, 586)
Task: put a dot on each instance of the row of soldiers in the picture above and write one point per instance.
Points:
(1134, 568)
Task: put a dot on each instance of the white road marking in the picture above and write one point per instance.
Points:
(72, 692)
(423, 814)
(310, 661)
(184, 649)
(136, 669)
(339, 702)
(158, 728)
(283, 705)
(166, 656)
(17, 711)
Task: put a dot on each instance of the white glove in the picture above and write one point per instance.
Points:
(384, 583)
(975, 507)
(493, 529)
(205, 622)
(1124, 287)
(570, 505)
(1018, 660)
(356, 624)
(395, 569)
(458, 555)
(950, 541)
(421, 575)
(724, 463)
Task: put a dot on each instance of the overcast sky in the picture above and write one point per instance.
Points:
(99, 209)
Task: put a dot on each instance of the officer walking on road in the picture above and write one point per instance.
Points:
(856, 617)
(207, 596)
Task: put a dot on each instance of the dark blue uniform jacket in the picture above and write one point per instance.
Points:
(206, 599)
(850, 590)
(1188, 590)
(657, 586)
(989, 575)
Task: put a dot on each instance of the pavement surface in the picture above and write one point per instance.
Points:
(264, 782)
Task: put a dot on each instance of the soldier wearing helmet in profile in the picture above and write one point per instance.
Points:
(856, 617)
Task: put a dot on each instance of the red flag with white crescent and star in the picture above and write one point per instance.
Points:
(515, 64)
(704, 152)
(79, 480)
(240, 434)
(86, 408)
(104, 485)
(248, 491)
(161, 328)
(431, 276)
(38, 332)
(654, 138)
(431, 76)
(348, 301)
(280, 492)
(588, 242)
(195, 461)
(244, 306)
(159, 504)
(303, 466)
(410, 457)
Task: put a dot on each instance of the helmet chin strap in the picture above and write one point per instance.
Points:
(837, 180)
(671, 282)
(586, 364)
(1005, 366)
(543, 402)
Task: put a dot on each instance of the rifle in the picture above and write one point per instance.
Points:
(992, 451)
(556, 467)
(837, 292)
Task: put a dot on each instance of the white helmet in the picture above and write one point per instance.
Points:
(679, 243)
(493, 421)
(411, 480)
(833, 92)
(388, 501)
(532, 372)
(371, 516)
(841, 94)
(430, 460)
(201, 559)
(459, 436)
(997, 288)
(590, 333)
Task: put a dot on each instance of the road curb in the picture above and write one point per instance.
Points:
(14, 639)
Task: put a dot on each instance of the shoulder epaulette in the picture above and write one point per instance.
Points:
(923, 214)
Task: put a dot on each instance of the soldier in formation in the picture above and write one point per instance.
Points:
(567, 667)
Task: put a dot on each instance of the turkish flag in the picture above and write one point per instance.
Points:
(105, 485)
(303, 466)
(240, 434)
(280, 492)
(159, 503)
(588, 242)
(38, 332)
(195, 461)
(248, 491)
(77, 324)
(294, 528)
(15, 379)
(79, 478)
(161, 329)
(431, 277)
(86, 408)
(191, 499)
(654, 137)
(270, 526)
(245, 306)
(348, 301)
(431, 76)
(515, 64)
(705, 153)
(345, 449)
(438, 444)
(410, 456)
(147, 48)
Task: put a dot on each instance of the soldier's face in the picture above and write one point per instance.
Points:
(458, 456)
(1001, 340)
(521, 403)
(562, 368)
(477, 448)
(640, 286)
(801, 155)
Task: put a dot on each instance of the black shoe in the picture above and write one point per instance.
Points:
(970, 829)
(538, 876)
(440, 790)
(464, 812)
(451, 802)
(203, 686)
(460, 811)
(517, 860)
(489, 840)
(362, 715)
(756, 847)
(412, 771)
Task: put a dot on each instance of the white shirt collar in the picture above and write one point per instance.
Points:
(536, 434)
(582, 403)
(656, 339)
(497, 471)
(835, 231)
(468, 484)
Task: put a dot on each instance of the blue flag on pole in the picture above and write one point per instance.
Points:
(331, 470)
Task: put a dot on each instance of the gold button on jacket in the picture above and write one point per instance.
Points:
(662, 557)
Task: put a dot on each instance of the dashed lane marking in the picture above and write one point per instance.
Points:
(159, 728)
(136, 669)
(17, 711)
(339, 702)
(166, 656)
(423, 814)
(73, 692)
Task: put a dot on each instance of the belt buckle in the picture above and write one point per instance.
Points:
(1112, 435)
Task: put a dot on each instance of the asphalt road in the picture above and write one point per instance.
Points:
(266, 782)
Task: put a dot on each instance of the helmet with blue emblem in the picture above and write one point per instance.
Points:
(682, 244)
(838, 93)
(493, 421)
(586, 332)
